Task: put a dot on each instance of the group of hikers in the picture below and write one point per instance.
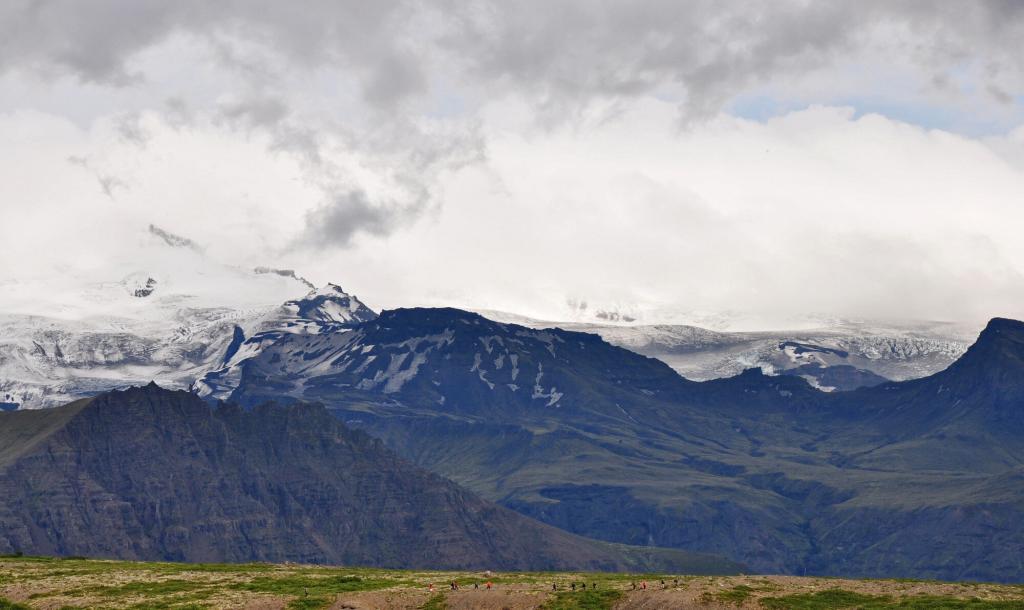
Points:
(643, 584)
(583, 586)
(454, 586)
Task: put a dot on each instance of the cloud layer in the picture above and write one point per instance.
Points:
(847, 158)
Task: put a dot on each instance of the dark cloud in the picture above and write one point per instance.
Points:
(97, 41)
(256, 112)
(565, 52)
(568, 52)
(336, 223)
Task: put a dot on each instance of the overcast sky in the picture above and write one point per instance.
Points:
(848, 158)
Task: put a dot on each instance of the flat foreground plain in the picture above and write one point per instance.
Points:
(51, 583)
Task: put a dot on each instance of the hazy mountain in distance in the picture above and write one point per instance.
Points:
(838, 355)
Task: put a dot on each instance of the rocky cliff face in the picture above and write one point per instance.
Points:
(154, 474)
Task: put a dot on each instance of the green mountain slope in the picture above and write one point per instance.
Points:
(154, 474)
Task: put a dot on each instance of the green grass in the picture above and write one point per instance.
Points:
(583, 600)
(831, 599)
(299, 585)
(166, 606)
(736, 595)
(160, 587)
(309, 603)
(175, 592)
(838, 599)
(436, 602)
(176, 586)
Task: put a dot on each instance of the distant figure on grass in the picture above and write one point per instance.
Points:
(634, 585)
(584, 586)
(554, 586)
(488, 585)
(643, 585)
(573, 586)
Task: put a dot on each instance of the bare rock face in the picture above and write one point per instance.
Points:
(154, 474)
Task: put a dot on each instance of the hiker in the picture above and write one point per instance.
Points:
(676, 581)
(584, 586)
(488, 585)
(554, 586)
(573, 586)
(305, 591)
(593, 585)
(643, 585)
(634, 585)
(476, 585)
(431, 587)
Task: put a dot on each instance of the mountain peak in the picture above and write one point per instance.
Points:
(993, 366)
(330, 303)
(1002, 338)
(328, 289)
(432, 314)
(1003, 327)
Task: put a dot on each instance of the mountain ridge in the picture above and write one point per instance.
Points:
(766, 469)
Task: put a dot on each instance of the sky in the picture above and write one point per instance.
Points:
(778, 158)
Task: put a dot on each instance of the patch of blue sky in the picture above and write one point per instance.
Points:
(984, 120)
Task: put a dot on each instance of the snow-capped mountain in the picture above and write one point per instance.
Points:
(49, 361)
(177, 317)
(632, 313)
(836, 355)
(171, 317)
(326, 307)
(326, 313)
(448, 357)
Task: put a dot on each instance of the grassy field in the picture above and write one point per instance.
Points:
(52, 583)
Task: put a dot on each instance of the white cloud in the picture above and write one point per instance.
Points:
(816, 211)
(516, 155)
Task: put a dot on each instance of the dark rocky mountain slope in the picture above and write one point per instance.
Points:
(919, 478)
(151, 474)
